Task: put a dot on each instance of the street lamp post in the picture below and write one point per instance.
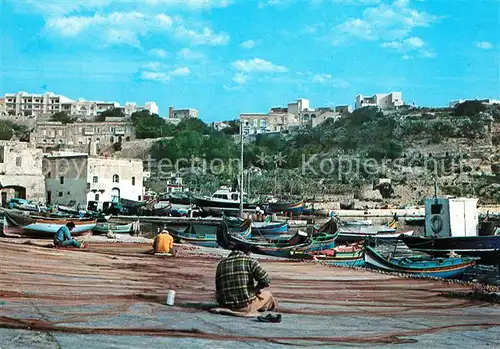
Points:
(241, 169)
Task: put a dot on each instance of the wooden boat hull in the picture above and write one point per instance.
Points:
(346, 259)
(45, 228)
(103, 228)
(259, 228)
(205, 240)
(295, 208)
(485, 247)
(219, 207)
(380, 237)
(442, 267)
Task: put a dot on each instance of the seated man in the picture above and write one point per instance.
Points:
(164, 243)
(234, 283)
(63, 238)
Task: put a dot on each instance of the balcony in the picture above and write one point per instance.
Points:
(88, 131)
(119, 131)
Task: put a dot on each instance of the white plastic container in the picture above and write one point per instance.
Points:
(170, 297)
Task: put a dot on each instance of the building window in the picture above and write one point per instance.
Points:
(88, 186)
(111, 139)
(2, 152)
(69, 193)
(60, 194)
(116, 178)
(127, 139)
(50, 175)
(96, 197)
(133, 180)
(139, 198)
(61, 180)
(95, 179)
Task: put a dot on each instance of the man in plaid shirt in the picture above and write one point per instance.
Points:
(235, 283)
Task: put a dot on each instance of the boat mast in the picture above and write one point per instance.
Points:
(241, 169)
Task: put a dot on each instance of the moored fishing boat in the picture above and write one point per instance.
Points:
(295, 208)
(452, 226)
(115, 228)
(300, 242)
(16, 224)
(360, 230)
(452, 267)
(201, 235)
(223, 201)
(265, 229)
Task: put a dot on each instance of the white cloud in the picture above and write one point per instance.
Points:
(191, 4)
(180, 71)
(129, 27)
(394, 21)
(158, 52)
(204, 37)
(187, 53)
(152, 65)
(112, 28)
(428, 53)
(321, 78)
(60, 7)
(258, 65)
(240, 78)
(484, 45)
(266, 3)
(164, 77)
(406, 44)
(248, 44)
(410, 45)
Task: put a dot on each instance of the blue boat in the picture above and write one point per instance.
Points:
(265, 229)
(295, 208)
(299, 243)
(193, 237)
(452, 267)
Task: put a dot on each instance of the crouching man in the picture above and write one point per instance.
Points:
(235, 283)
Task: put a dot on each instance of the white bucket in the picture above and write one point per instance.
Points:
(170, 297)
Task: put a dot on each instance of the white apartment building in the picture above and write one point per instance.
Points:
(385, 101)
(77, 179)
(280, 119)
(25, 104)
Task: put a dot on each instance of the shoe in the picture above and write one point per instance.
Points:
(270, 318)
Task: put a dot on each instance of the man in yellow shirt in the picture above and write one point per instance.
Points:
(164, 243)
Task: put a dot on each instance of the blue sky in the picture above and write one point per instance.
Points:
(229, 56)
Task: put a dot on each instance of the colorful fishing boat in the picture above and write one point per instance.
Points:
(452, 226)
(360, 230)
(200, 235)
(295, 208)
(452, 267)
(16, 224)
(265, 229)
(300, 242)
(105, 227)
(351, 255)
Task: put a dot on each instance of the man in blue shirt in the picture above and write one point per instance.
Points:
(63, 236)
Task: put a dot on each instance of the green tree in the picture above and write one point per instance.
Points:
(193, 124)
(6, 130)
(149, 125)
(469, 108)
(62, 117)
(113, 112)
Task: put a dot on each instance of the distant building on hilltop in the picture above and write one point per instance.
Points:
(182, 114)
(26, 104)
(385, 101)
(297, 114)
(52, 133)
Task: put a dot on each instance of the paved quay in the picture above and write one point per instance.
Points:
(112, 296)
